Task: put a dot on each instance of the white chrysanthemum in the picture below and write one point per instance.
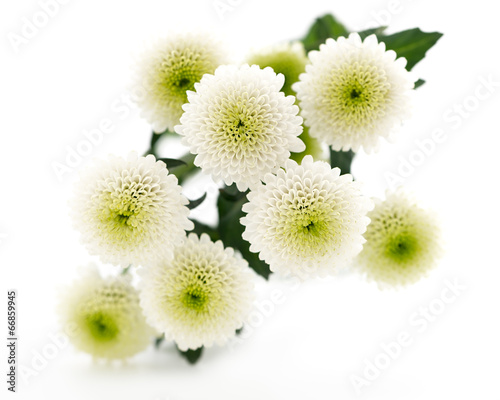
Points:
(130, 211)
(106, 316)
(240, 125)
(307, 220)
(402, 241)
(170, 68)
(199, 297)
(354, 92)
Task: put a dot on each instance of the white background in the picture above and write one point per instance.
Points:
(68, 77)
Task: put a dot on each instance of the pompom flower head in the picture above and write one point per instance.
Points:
(306, 220)
(289, 59)
(170, 68)
(200, 296)
(239, 124)
(354, 92)
(129, 211)
(402, 242)
(107, 317)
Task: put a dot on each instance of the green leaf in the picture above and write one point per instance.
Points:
(126, 270)
(259, 266)
(342, 159)
(323, 28)
(192, 356)
(230, 229)
(411, 44)
(231, 193)
(159, 340)
(373, 31)
(195, 203)
(172, 162)
(185, 168)
(200, 228)
(419, 83)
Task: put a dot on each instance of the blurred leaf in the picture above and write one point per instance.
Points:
(185, 168)
(126, 269)
(195, 203)
(411, 44)
(419, 83)
(159, 340)
(200, 228)
(323, 28)
(166, 132)
(192, 356)
(373, 31)
(172, 162)
(230, 229)
(231, 193)
(342, 159)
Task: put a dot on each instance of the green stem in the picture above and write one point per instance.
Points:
(153, 144)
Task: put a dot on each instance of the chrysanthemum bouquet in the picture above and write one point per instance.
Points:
(277, 133)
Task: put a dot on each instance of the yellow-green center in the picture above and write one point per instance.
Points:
(402, 247)
(312, 227)
(195, 297)
(356, 94)
(101, 326)
(125, 211)
(241, 124)
(179, 71)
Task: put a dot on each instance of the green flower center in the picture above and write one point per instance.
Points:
(179, 71)
(196, 295)
(101, 326)
(400, 242)
(125, 206)
(238, 131)
(402, 248)
(312, 226)
(357, 94)
(184, 83)
(125, 209)
(241, 123)
(195, 298)
(309, 222)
